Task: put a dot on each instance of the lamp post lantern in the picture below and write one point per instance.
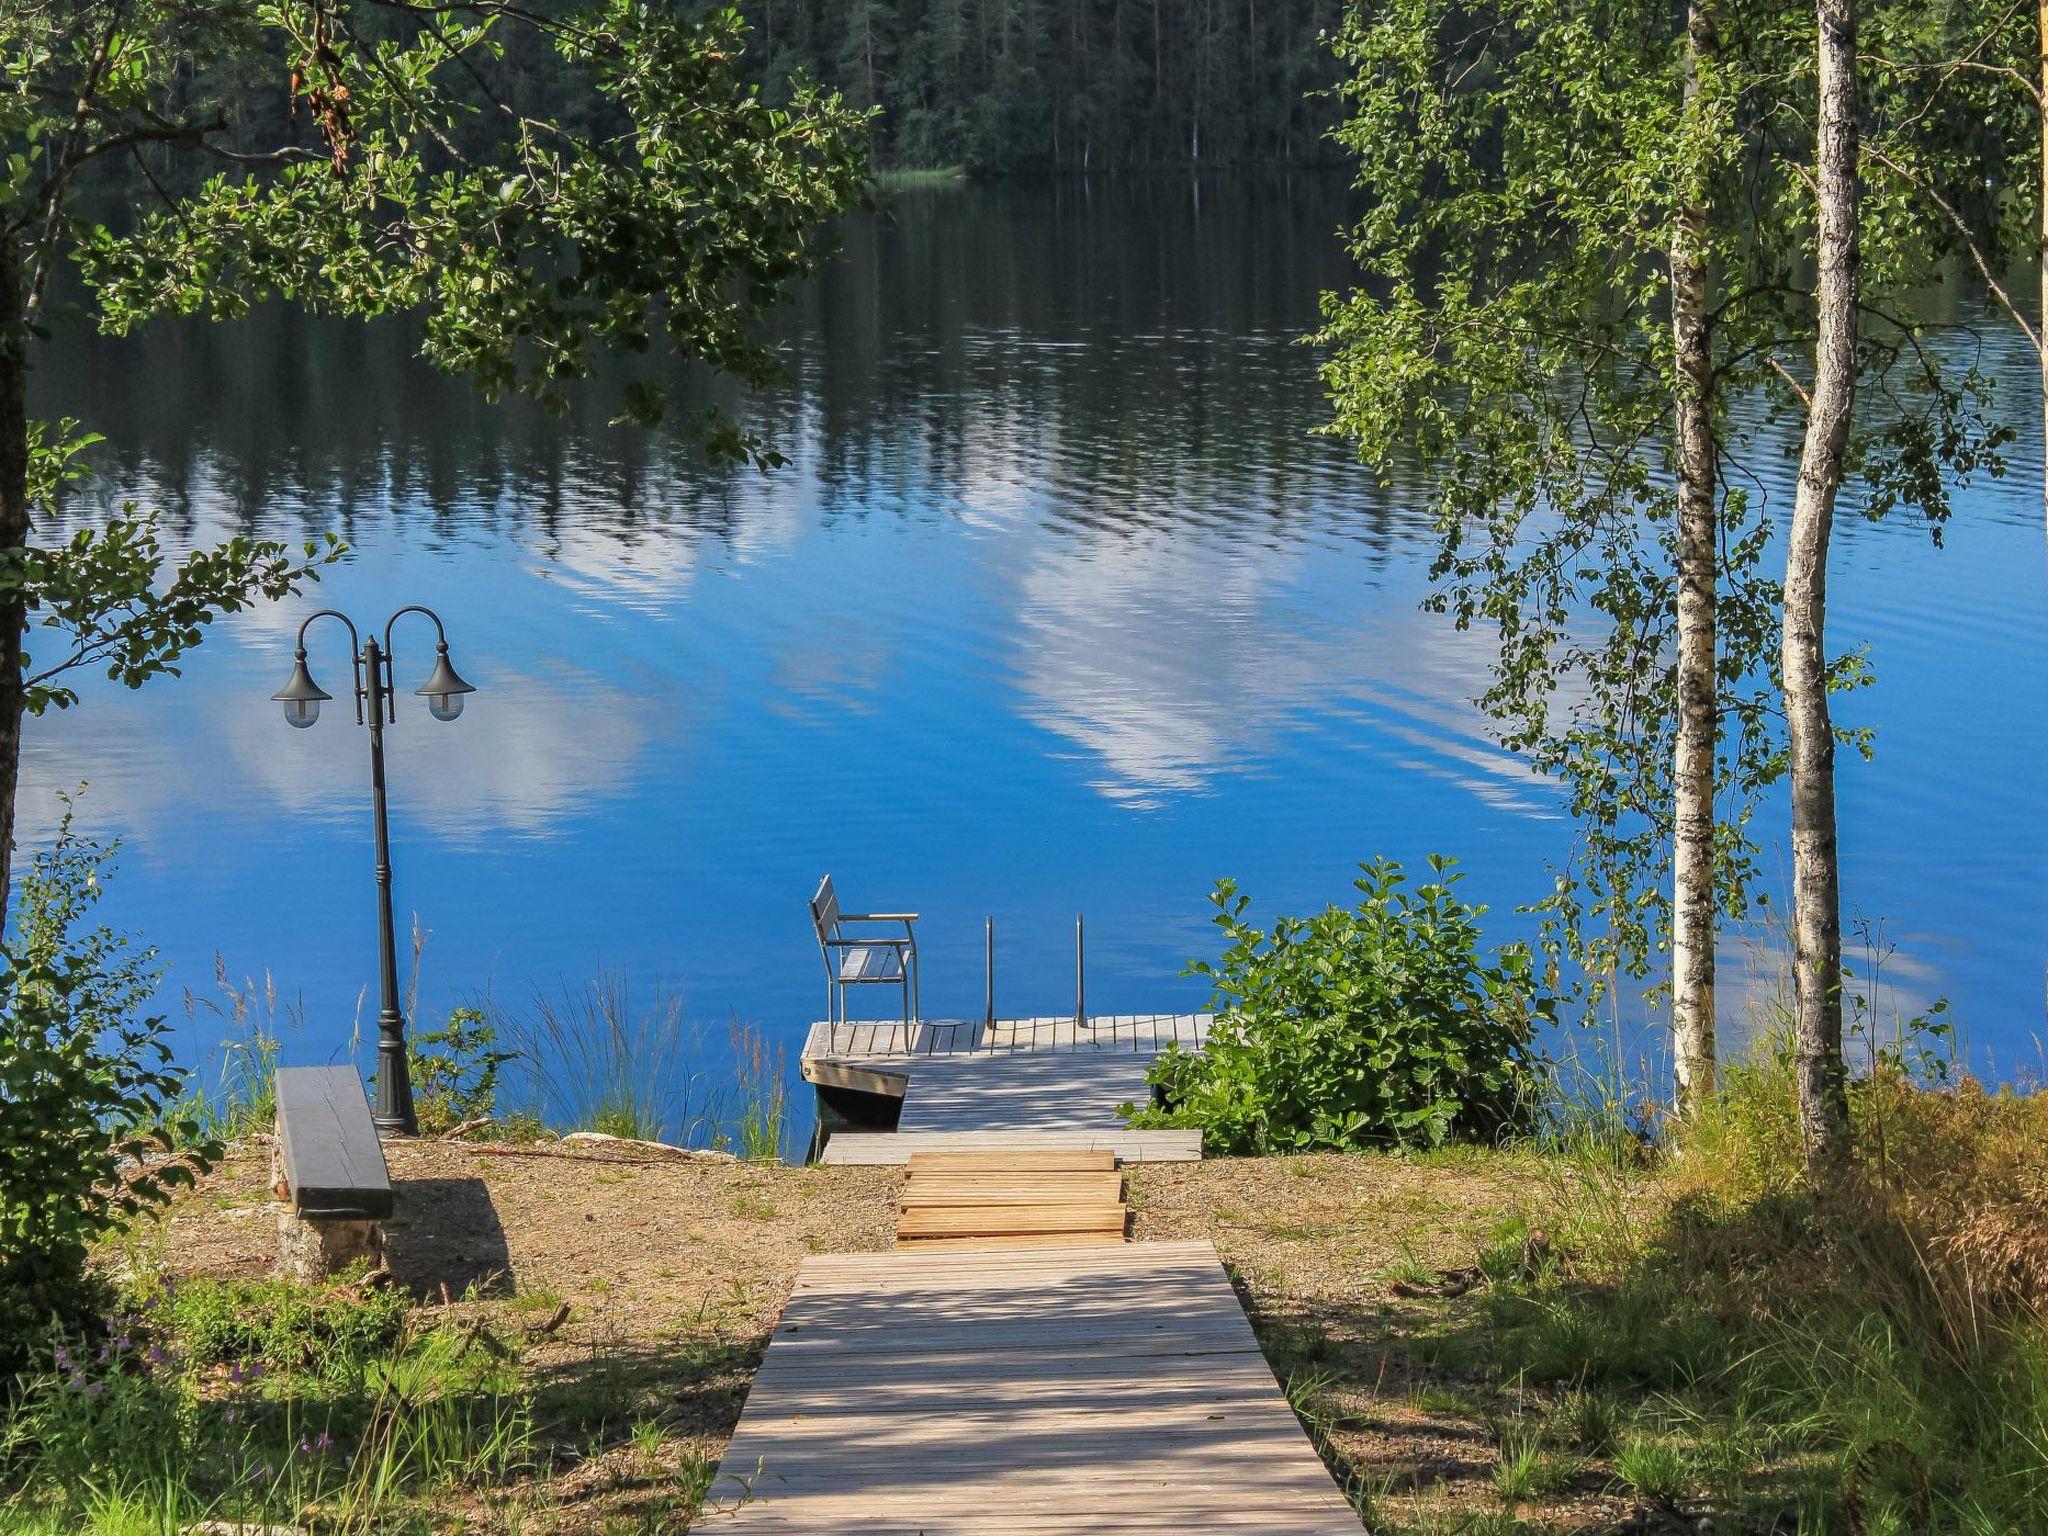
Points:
(376, 706)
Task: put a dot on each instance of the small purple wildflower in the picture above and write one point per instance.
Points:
(63, 1358)
(323, 1441)
(94, 1389)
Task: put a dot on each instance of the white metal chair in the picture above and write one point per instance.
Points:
(854, 961)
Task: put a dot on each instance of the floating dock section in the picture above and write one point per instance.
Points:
(888, 1090)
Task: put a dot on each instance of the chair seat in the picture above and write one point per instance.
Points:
(877, 962)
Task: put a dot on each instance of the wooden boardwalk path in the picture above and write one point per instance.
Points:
(960, 1082)
(1020, 1391)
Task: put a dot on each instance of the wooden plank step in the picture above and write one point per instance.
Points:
(1026, 1189)
(1014, 1240)
(1007, 1220)
(1077, 1160)
(893, 1148)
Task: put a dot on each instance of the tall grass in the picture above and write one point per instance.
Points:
(599, 1057)
(1869, 1357)
(760, 1127)
(236, 1093)
(262, 1406)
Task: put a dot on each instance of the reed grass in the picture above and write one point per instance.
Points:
(604, 1057)
(760, 1127)
(1763, 1355)
(235, 1094)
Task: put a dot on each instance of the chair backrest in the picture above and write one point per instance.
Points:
(825, 911)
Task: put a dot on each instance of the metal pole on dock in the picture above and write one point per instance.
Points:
(1080, 976)
(988, 1014)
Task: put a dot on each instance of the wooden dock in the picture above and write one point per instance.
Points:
(1044, 1083)
(1080, 1390)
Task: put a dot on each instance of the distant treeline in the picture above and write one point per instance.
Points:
(1021, 85)
(990, 86)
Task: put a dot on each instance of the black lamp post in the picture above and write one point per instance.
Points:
(376, 704)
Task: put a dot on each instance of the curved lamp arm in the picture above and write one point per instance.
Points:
(440, 631)
(355, 654)
(444, 687)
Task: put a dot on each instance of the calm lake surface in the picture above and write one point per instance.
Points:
(1058, 608)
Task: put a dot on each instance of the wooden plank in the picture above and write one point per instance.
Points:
(1018, 1240)
(837, 1072)
(894, 1148)
(1102, 1033)
(1051, 1160)
(1027, 1189)
(1009, 1220)
(333, 1162)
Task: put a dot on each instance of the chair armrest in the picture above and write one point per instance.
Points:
(870, 943)
(878, 917)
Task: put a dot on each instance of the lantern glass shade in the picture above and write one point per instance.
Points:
(444, 691)
(301, 696)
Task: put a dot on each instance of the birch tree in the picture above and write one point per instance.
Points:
(1830, 406)
(1563, 294)
(1593, 228)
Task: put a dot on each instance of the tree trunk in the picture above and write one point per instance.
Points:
(13, 536)
(1816, 879)
(1693, 909)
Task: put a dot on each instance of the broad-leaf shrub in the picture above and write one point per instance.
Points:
(1369, 1026)
(455, 1071)
(85, 1079)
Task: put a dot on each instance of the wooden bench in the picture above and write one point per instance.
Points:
(328, 1171)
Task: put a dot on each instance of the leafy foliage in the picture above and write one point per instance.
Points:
(84, 1083)
(102, 591)
(675, 199)
(455, 1071)
(1375, 1025)
(1529, 164)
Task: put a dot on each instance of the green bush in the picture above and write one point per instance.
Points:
(1370, 1026)
(455, 1071)
(84, 1085)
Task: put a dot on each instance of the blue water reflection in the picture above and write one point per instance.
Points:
(1057, 608)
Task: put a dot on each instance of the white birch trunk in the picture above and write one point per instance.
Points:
(1816, 883)
(1693, 907)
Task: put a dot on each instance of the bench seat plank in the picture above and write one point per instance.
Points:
(333, 1164)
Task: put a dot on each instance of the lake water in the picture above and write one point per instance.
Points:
(1058, 608)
